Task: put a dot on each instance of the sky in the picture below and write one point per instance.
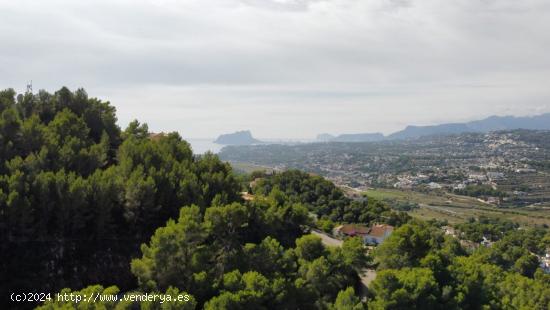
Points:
(286, 69)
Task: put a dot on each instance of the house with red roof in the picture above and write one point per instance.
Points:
(375, 234)
(378, 233)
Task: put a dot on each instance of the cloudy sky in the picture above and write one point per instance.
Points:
(285, 68)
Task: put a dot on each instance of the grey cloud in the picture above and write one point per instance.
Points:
(371, 59)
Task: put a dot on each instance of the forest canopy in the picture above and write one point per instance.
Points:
(78, 195)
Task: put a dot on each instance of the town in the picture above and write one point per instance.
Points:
(509, 168)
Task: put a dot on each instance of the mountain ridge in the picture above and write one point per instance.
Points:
(491, 123)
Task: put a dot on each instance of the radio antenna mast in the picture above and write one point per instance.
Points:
(29, 87)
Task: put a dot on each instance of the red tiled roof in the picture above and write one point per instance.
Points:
(353, 230)
(379, 230)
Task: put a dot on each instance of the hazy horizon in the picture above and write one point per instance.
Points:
(314, 138)
(285, 69)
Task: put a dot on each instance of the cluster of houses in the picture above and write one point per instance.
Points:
(410, 181)
(374, 235)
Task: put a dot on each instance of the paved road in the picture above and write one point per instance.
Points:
(328, 240)
(367, 275)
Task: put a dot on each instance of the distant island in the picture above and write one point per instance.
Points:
(237, 138)
(492, 123)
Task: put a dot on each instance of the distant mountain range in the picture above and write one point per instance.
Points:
(237, 138)
(493, 123)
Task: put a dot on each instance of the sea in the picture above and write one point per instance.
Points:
(201, 146)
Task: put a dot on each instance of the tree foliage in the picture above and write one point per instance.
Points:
(78, 195)
(219, 260)
(421, 269)
(324, 199)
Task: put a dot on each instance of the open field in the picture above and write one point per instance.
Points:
(457, 209)
(248, 167)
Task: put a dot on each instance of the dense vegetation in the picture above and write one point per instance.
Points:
(229, 257)
(325, 200)
(475, 190)
(420, 268)
(78, 195)
(492, 229)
